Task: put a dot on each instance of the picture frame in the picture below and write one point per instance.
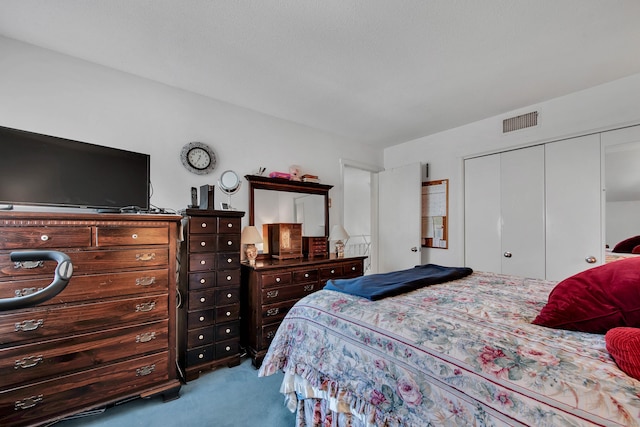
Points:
(225, 206)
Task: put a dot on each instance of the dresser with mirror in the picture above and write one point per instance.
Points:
(274, 284)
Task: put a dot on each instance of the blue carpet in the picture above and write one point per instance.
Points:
(225, 397)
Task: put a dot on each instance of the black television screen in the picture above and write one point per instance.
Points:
(45, 170)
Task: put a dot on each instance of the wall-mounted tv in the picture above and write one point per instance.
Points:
(45, 170)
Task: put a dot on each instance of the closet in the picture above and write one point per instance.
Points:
(536, 211)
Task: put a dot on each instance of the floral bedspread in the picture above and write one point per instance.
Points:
(461, 353)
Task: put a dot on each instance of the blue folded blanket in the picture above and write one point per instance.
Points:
(378, 286)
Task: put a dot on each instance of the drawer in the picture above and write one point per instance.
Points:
(34, 403)
(44, 237)
(199, 355)
(202, 261)
(229, 226)
(199, 319)
(332, 272)
(200, 337)
(275, 279)
(268, 333)
(227, 348)
(276, 312)
(39, 361)
(202, 280)
(203, 225)
(228, 277)
(227, 313)
(95, 286)
(228, 242)
(87, 262)
(53, 321)
(228, 296)
(227, 331)
(352, 269)
(228, 260)
(127, 236)
(201, 300)
(285, 293)
(202, 243)
(305, 276)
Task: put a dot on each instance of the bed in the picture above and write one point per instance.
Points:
(461, 353)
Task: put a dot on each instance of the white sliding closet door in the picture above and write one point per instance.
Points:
(574, 206)
(523, 221)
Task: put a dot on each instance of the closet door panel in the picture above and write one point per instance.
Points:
(482, 213)
(574, 212)
(523, 216)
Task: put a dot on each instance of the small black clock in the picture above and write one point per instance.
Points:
(198, 158)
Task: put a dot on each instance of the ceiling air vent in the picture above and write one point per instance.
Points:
(520, 122)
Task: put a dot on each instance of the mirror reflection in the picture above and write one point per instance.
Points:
(622, 181)
(281, 206)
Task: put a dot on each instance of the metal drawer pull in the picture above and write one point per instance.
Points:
(147, 306)
(271, 334)
(28, 264)
(230, 225)
(202, 280)
(272, 294)
(278, 279)
(28, 402)
(227, 331)
(201, 356)
(203, 244)
(229, 278)
(200, 337)
(29, 325)
(228, 313)
(203, 225)
(203, 262)
(44, 237)
(227, 348)
(306, 275)
(145, 370)
(273, 311)
(201, 318)
(203, 299)
(333, 271)
(146, 337)
(229, 243)
(229, 295)
(308, 288)
(28, 362)
(145, 281)
(134, 236)
(146, 256)
(229, 260)
(353, 268)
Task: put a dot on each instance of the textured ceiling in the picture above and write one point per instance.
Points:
(375, 71)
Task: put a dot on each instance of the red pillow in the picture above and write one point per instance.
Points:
(596, 300)
(624, 346)
(636, 250)
(627, 245)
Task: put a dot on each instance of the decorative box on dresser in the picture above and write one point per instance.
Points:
(209, 286)
(271, 287)
(109, 335)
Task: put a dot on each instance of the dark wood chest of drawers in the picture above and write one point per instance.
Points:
(272, 287)
(109, 335)
(209, 285)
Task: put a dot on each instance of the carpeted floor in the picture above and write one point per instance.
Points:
(225, 397)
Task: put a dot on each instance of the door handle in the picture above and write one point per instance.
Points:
(508, 254)
(414, 249)
(591, 259)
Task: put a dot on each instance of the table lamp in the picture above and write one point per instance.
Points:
(338, 234)
(251, 236)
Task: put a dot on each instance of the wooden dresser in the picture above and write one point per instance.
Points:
(272, 287)
(209, 312)
(109, 335)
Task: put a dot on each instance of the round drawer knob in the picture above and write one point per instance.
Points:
(202, 318)
(227, 348)
(201, 356)
(202, 281)
(203, 262)
(203, 299)
(228, 331)
(278, 279)
(228, 313)
(203, 244)
(229, 243)
(203, 225)
(200, 337)
(230, 225)
(44, 237)
(229, 295)
(229, 278)
(306, 275)
(134, 236)
(229, 260)
(333, 272)
(353, 269)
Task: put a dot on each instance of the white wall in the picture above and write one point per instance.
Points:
(46, 92)
(604, 107)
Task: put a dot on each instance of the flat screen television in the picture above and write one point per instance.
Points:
(38, 169)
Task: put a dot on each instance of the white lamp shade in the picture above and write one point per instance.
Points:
(250, 235)
(338, 233)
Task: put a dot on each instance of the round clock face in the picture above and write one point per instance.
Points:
(198, 158)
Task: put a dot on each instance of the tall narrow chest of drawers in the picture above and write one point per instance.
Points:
(209, 285)
(109, 335)
(271, 287)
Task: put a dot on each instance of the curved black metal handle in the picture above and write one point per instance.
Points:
(62, 274)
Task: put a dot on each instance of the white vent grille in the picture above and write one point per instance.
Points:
(520, 122)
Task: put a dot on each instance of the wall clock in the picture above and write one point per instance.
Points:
(198, 158)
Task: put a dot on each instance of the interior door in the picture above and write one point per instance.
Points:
(574, 208)
(399, 213)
